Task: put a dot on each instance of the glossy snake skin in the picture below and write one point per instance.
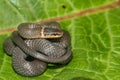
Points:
(34, 46)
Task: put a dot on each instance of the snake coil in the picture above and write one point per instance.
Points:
(34, 46)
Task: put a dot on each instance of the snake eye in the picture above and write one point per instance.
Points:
(52, 33)
(56, 34)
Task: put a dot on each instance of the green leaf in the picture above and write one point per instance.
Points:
(95, 37)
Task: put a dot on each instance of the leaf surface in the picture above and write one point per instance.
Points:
(95, 37)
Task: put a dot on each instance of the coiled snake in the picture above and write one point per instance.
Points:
(33, 46)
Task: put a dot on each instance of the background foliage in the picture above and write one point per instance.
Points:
(95, 38)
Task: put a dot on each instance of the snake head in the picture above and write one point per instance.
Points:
(51, 33)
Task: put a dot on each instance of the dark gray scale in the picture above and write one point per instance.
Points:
(8, 46)
(29, 30)
(51, 25)
(63, 41)
(31, 53)
(20, 63)
(27, 67)
(48, 49)
(18, 40)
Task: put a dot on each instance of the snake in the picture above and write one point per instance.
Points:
(33, 46)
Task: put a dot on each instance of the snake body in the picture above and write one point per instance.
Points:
(42, 43)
